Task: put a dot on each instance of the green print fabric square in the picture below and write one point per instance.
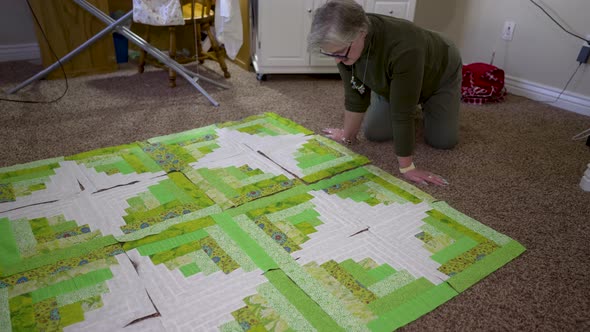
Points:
(285, 229)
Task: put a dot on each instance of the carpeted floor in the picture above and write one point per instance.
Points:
(516, 170)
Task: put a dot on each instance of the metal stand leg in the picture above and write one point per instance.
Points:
(73, 53)
(191, 77)
(156, 53)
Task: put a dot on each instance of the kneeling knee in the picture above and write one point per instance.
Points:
(443, 144)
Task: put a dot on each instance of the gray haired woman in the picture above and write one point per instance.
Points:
(390, 66)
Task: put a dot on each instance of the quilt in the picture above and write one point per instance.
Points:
(252, 225)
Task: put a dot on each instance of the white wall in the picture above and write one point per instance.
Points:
(17, 33)
(539, 60)
(16, 23)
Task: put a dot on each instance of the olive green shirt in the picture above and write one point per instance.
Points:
(403, 63)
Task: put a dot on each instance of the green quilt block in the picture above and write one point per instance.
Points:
(243, 179)
(299, 298)
(373, 186)
(174, 199)
(236, 185)
(174, 152)
(61, 268)
(335, 296)
(44, 242)
(192, 247)
(123, 159)
(169, 157)
(475, 250)
(287, 217)
(22, 180)
(316, 158)
(54, 301)
(267, 124)
(54, 271)
(465, 249)
(322, 158)
(57, 293)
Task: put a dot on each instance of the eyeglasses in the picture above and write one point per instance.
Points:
(338, 56)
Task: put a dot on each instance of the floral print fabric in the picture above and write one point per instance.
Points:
(157, 12)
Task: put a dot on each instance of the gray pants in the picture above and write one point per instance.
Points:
(441, 110)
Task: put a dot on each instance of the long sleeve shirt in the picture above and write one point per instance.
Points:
(403, 63)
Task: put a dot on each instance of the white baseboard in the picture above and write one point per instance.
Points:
(18, 52)
(568, 101)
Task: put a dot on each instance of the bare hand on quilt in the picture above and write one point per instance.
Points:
(425, 177)
(337, 134)
(412, 173)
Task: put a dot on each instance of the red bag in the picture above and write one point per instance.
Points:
(482, 83)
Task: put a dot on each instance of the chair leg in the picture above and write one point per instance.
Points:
(219, 52)
(199, 56)
(143, 53)
(172, 54)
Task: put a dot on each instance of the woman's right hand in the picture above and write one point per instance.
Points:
(425, 177)
(337, 134)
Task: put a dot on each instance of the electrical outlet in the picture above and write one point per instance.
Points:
(584, 54)
(508, 31)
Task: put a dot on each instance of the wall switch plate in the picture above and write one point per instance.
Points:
(508, 31)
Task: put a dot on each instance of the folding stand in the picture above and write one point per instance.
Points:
(117, 25)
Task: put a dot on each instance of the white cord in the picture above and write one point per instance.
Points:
(582, 135)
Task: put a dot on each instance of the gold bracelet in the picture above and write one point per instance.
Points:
(407, 169)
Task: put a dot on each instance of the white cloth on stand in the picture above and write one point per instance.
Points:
(157, 12)
(228, 26)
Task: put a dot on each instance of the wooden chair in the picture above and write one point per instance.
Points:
(199, 15)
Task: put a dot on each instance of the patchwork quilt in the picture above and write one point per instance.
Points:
(254, 225)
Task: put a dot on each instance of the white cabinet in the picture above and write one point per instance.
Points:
(399, 8)
(280, 29)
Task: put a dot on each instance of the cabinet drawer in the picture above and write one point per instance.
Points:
(392, 8)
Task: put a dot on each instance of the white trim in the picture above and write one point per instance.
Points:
(17, 52)
(569, 101)
(307, 69)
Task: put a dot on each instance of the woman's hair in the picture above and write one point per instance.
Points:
(338, 22)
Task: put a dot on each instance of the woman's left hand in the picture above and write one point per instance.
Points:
(425, 177)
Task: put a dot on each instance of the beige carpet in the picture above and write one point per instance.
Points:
(516, 170)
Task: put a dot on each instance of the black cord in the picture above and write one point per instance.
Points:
(571, 33)
(55, 55)
(567, 84)
(564, 29)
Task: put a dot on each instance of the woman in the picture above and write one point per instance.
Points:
(390, 66)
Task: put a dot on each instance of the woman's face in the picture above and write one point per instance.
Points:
(347, 54)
